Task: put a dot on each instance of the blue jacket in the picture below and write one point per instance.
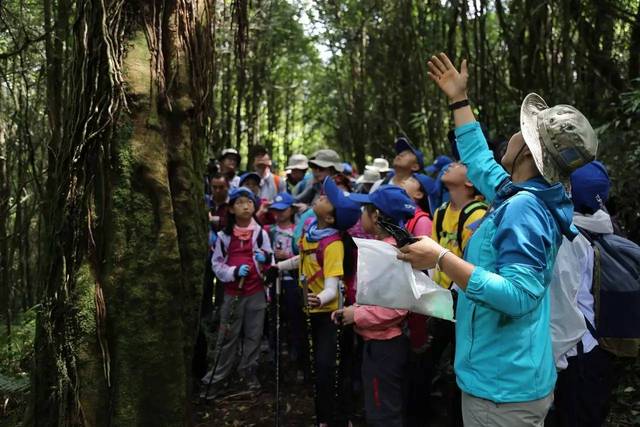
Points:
(503, 339)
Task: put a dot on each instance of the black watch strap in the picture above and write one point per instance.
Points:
(459, 104)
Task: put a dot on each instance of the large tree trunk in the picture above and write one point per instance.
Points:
(117, 345)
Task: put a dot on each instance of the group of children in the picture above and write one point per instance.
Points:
(340, 347)
(527, 283)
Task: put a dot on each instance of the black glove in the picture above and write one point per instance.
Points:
(272, 274)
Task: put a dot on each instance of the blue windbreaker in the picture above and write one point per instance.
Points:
(503, 340)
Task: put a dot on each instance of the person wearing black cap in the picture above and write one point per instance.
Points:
(408, 160)
(229, 164)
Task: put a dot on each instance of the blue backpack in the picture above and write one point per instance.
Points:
(616, 291)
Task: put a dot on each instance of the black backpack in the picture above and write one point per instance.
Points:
(616, 292)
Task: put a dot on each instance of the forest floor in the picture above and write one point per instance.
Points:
(236, 407)
(239, 408)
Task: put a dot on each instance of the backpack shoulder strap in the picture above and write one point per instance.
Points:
(260, 238)
(411, 224)
(319, 251)
(322, 245)
(223, 249)
(465, 214)
(439, 219)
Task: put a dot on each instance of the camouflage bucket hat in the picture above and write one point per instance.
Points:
(560, 138)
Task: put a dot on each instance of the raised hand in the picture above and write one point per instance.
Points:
(447, 77)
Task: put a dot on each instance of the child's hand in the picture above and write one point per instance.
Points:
(313, 301)
(243, 270)
(260, 257)
(344, 316)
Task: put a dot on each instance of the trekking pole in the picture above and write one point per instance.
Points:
(305, 296)
(278, 291)
(221, 337)
(339, 333)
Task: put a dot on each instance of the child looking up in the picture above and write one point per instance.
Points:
(241, 253)
(322, 264)
(385, 350)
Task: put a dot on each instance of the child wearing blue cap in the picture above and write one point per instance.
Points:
(408, 161)
(281, 234)
(323, 262)
(386, 348)
(418, 187)
(241, 253)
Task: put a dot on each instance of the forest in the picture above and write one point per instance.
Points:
(111, 109)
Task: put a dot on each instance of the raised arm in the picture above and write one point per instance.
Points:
(483, 171)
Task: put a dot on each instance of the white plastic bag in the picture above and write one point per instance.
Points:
(385, 281)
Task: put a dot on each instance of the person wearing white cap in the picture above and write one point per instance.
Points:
(297, 174)
(504, 361)
(323, 163)
(382, 166)
(367, 179)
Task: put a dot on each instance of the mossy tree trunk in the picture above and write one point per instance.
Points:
(132, 294)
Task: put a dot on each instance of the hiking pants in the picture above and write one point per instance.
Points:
(443, 335)
(294, 317)
(583, 390)
(324, 353)
(246, 317)
(479, 412)
(384, 369)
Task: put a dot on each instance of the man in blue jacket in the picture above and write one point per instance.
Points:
(504, 362)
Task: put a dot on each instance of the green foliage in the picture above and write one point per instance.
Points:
(16, 354)
(620, 151)
(16, 349)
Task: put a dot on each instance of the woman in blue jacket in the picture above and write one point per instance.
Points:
(504, 363)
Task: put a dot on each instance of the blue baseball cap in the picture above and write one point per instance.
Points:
(347, 211)
(248, 175)
(242, 192)
(427, 183)
(590, 186)
(282, 201)
(439, 163)
(403, 144)
(391, 200)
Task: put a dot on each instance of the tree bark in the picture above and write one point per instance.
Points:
(115, 337)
